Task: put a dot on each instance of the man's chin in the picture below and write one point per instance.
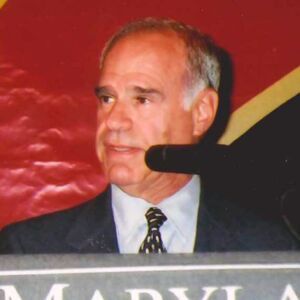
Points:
(121, 175)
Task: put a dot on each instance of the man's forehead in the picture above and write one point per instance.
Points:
(154, 59)
(149, 41)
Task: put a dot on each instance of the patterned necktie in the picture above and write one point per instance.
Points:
(153, 242)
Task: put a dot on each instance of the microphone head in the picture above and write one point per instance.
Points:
(174, 158)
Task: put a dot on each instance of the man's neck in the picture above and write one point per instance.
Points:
(165, 186)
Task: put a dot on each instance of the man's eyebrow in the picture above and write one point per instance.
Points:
(102, 90)
(142, 90)
(106, 90)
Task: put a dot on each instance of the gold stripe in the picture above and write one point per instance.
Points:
(261, 105)
(2, 2)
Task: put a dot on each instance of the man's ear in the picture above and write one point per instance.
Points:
(204, 110)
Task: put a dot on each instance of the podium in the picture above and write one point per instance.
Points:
(208, 276)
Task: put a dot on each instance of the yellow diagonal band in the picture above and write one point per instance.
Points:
(261, 105)
(2, 2)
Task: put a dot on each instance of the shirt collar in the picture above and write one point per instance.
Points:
(182, 207)
(179, 208)
(128, 212)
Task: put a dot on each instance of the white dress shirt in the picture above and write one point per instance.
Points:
(178, 232)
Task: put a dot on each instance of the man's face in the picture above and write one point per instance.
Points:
(141, 93)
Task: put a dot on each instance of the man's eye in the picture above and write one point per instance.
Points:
(142, 100)
(106, 99)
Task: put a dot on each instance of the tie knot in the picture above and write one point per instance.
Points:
(155, 217)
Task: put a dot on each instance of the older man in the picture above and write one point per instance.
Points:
(158, 85)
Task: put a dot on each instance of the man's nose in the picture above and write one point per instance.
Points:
(118, 118)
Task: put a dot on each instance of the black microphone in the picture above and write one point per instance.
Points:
(258, 174)
(187, 159)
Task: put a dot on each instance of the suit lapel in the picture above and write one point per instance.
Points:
(94, 231)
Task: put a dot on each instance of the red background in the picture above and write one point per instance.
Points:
(48, 68)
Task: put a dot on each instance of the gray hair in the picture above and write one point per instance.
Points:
(203, 66)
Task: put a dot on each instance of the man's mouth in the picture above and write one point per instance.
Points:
(121, 149)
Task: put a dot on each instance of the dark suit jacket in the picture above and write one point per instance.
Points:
(90, 228)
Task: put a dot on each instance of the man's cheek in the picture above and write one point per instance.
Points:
(100, 150)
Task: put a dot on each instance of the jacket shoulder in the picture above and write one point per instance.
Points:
(46, 233)
(232, 227)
